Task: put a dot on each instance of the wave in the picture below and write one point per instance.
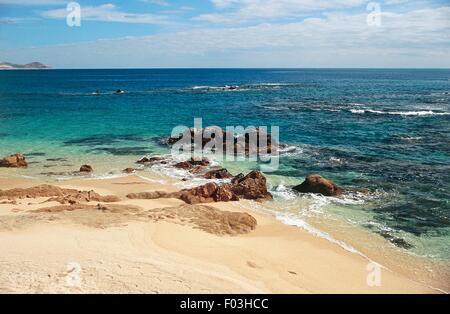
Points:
(401, 113)
(291, 220)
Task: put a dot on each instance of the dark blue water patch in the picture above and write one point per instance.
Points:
(11, 115)
(418, 216)
(104, 139)
(121, 151)
(34, 154)
(396, 240)
(56, 159)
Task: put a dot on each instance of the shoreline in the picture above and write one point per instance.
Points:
(273, 258)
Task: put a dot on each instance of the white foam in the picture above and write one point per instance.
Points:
(284, 193)
(290, 220)
(401, 113)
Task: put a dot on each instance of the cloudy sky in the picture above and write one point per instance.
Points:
(227, 33)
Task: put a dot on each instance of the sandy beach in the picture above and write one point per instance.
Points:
(167, 246)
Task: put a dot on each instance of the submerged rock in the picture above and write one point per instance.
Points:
(129, 170)
(14, 161)
(86, 168)
(146, 160)
(399, 242)
(317, 184)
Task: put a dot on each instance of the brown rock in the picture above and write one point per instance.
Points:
(218, 174)
(240, 144)
(183, 165)
(148, 195)
(129, 170)
(317, 184)
(14, 161)
(86, 168)
(201, 194)
(193, 163)
(225, 194)
(63, 196)
(146, 160)
(252, 186)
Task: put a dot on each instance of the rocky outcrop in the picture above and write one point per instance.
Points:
(86, 168)
(14, 161)
(192, 163)
(318, 185)
(148, 195)
(205, 218)
(251, 187)
(241, 144)
(146, 160)
(218, 174)
(57, 194)
(208, 193)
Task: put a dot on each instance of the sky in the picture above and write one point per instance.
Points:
(227, 33)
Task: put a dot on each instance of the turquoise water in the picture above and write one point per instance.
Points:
(387, 131)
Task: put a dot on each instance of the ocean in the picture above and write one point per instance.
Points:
(384, 130)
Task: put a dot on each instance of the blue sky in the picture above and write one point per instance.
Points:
(227, 33)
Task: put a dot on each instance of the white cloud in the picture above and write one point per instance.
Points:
(413, 39)
(235, 11)
(157, 2)
(108, 13)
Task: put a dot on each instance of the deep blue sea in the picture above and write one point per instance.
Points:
(384, 130)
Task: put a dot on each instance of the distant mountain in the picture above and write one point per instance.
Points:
(32, 65)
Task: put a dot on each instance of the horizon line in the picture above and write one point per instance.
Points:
(234, 68)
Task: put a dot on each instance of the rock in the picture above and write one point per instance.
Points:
(317, 184)
(241, 144)
(201, 194)
(146, 160)
(237, 178)
(199, 162)
(183, 165)
(14, 161)
(218, 174)
(129, 170)
(57, 194)
(148, 195)
(252, 186)
(225, 194)
(86, 168)
(208, 193)
(193, 163)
